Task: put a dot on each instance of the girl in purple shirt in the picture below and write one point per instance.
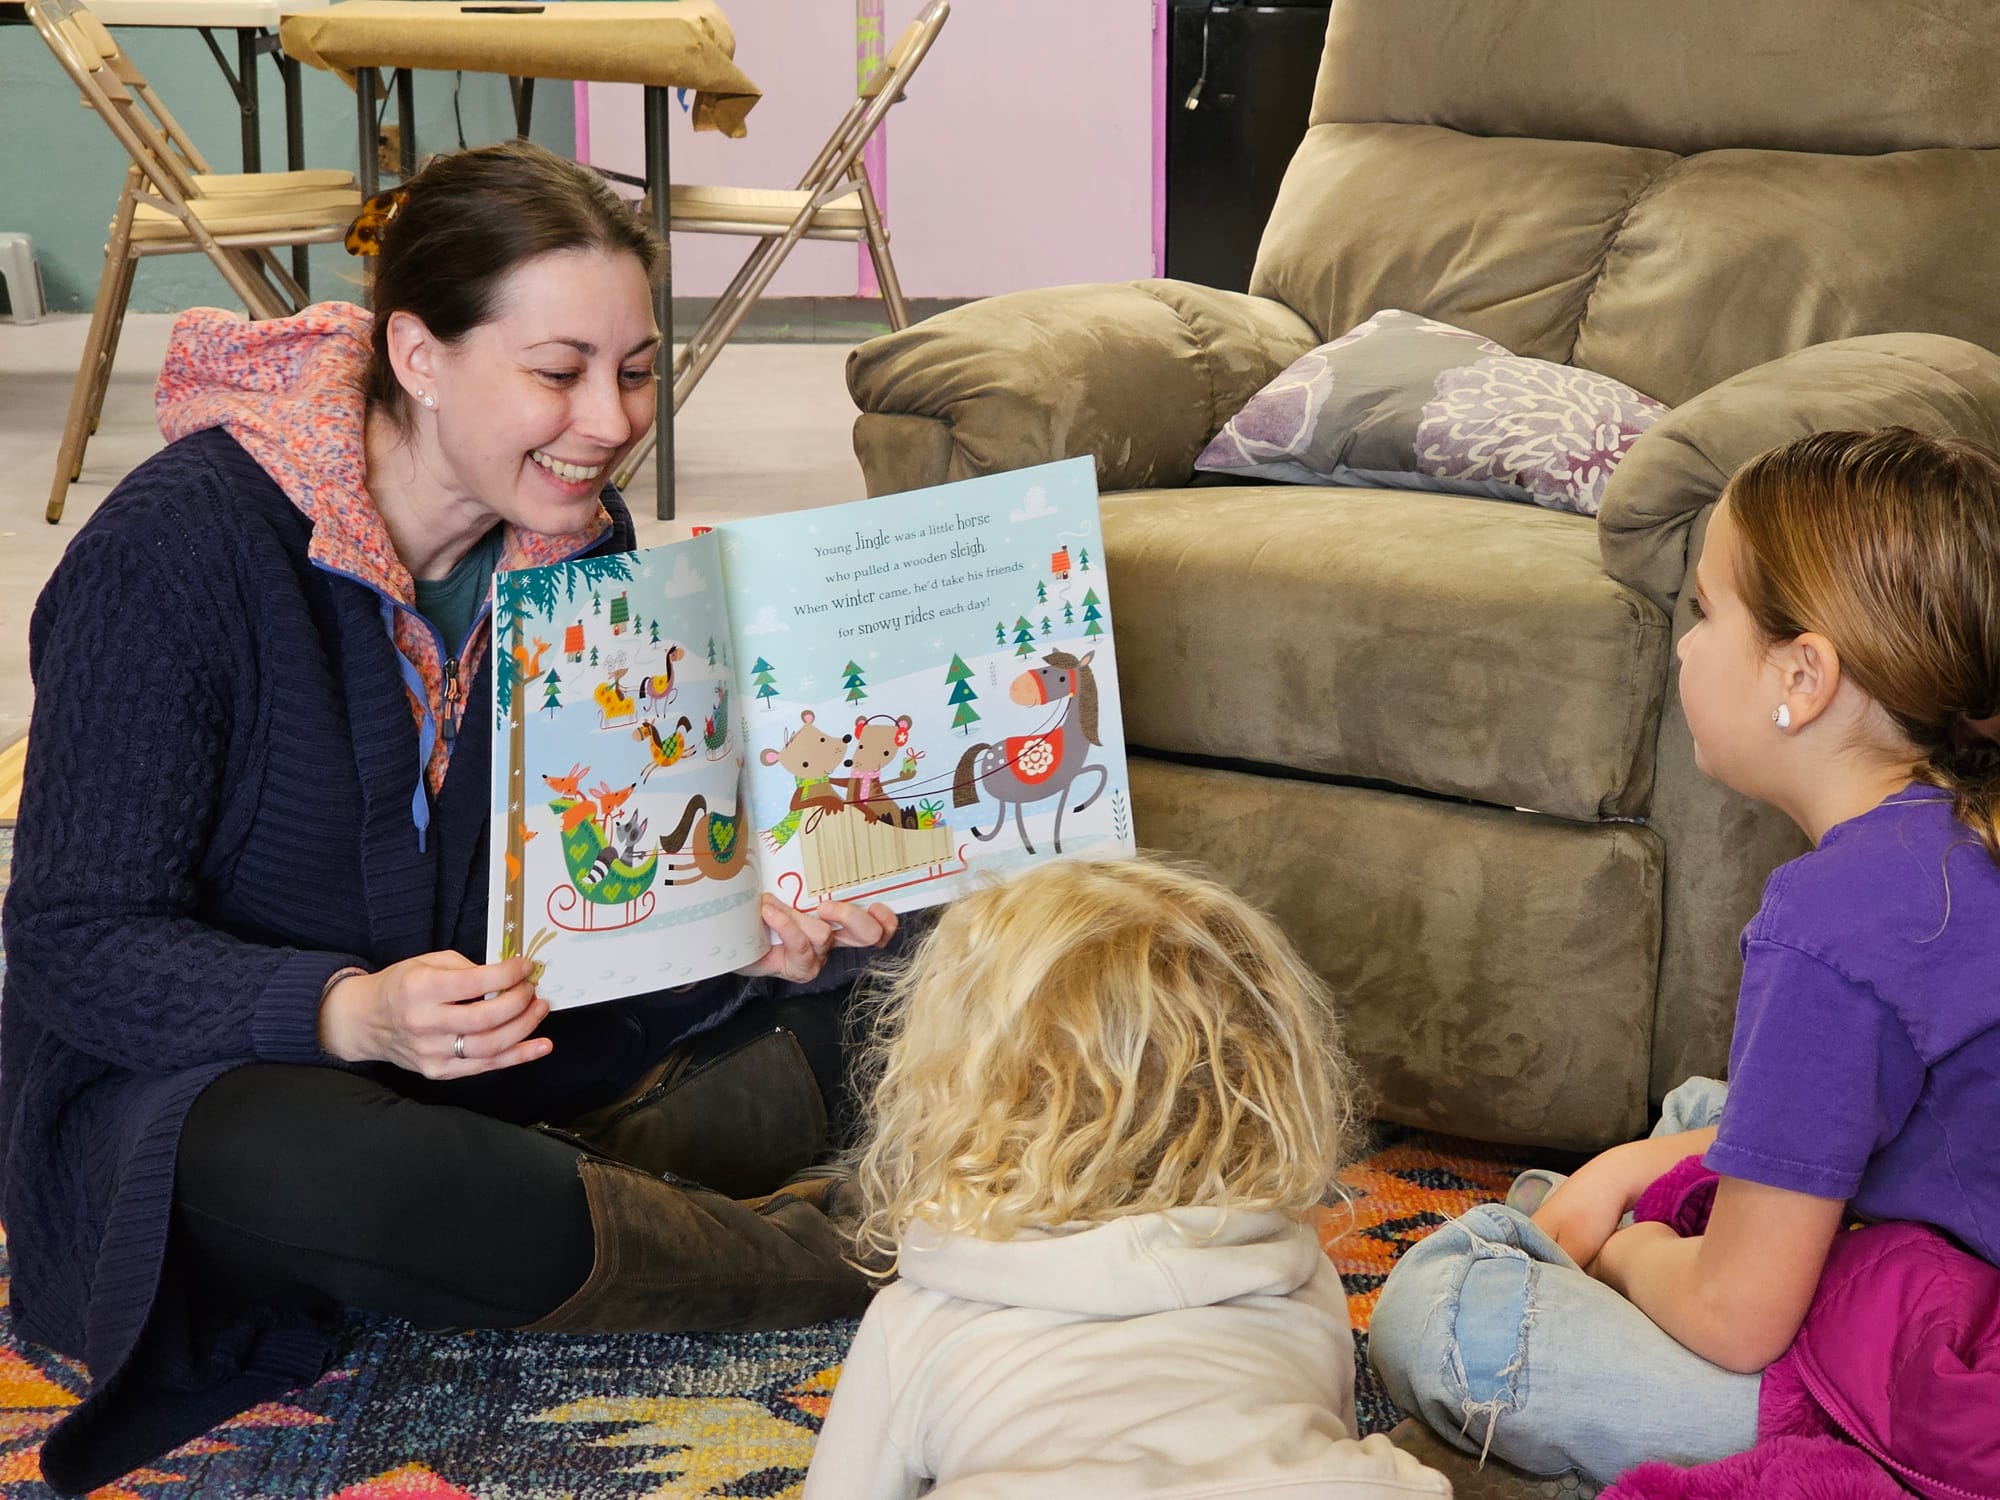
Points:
(1844, 667)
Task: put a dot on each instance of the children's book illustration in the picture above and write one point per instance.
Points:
(866, 702)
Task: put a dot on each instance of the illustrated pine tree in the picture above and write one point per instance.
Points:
(856, 688)
(1069, 613)
(552, 692)
(597, 604)
(1000, 634)
(1093, 613)
(593, 656)
(1041, 592)
(765, 676)
(960, 678)
(1083, 559)
(523, 597)
(1024, 636)
(711, 651)
(654, 630)
(1046, 626)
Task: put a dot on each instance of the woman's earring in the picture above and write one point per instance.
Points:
(428, 399)
(1782, 716)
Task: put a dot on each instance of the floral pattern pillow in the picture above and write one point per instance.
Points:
(1405, 402)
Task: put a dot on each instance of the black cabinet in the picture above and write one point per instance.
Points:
(1247, 71)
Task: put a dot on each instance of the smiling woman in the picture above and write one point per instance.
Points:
(258, 1067)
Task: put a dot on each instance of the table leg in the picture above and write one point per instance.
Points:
(658, 112)
(406, 118)
(364, 104)
(246, 71)
(295, 149)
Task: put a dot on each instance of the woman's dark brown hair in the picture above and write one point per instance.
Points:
(470, 219)
(1888, 544)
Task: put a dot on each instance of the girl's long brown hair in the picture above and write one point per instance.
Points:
(1888, 544)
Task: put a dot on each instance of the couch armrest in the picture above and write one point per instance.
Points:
(1139, 373)
(1937, 385)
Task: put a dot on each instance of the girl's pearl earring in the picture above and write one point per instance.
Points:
(1782, 716)
(428, 399)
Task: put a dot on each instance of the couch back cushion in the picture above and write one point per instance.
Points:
(1666, 194)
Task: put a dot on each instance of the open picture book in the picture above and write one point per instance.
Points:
(867, 702)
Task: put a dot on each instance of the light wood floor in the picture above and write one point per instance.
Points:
(12, 759)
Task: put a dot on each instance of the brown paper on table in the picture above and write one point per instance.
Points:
(680, 44)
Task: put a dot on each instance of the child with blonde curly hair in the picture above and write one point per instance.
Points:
(1108, 1097)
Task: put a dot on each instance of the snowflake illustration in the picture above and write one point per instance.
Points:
(1552, 431)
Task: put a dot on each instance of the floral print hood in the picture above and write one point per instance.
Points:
(290, 391)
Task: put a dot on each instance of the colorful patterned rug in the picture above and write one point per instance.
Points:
(405, 1415)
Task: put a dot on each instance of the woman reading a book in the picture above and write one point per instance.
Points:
(253, 1070)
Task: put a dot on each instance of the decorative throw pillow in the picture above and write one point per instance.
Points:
(1405, 402)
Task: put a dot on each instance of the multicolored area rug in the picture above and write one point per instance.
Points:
(405, 1415)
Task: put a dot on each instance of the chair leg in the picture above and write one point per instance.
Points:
(121, 300)
(94, 373)
(239, 270)
(274, 271)
(878, 252)
(706, 342)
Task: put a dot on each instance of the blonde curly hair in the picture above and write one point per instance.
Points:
(1094, 1039)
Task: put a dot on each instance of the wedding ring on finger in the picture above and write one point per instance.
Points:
(458, 1046)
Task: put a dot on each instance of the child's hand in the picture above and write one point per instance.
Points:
(1581, 1214)
(803, 939)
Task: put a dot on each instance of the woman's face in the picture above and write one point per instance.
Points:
(536, 405)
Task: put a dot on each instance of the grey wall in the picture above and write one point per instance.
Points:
(61, 169)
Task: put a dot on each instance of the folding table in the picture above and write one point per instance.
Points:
(660, 44)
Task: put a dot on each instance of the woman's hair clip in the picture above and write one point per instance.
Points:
(364, 235)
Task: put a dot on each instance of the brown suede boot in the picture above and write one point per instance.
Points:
(676, 1258)
(740, 1123)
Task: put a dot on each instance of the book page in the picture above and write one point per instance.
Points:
(620, 859)
(929, 687)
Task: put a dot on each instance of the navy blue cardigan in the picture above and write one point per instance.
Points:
(217, 816)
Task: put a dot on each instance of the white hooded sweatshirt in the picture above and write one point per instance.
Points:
(1185, 1353)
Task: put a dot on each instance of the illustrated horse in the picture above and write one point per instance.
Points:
(667, 751)
(656, 689)
(1035, 767)
(717, 850)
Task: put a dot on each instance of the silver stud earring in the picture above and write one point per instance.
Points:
(1782, 716)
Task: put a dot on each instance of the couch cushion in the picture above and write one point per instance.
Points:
(1494, 971)
(1856, 76)
(1774, 250)
(1503, 237)
(1469, 647)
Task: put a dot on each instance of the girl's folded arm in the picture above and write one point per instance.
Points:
(1738, 1294)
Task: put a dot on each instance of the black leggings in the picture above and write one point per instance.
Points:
(310, 1187)
(301, 1186)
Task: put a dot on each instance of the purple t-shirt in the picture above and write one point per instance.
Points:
(1866, 1060)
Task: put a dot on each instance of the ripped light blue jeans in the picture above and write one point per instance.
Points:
(1492, 1335)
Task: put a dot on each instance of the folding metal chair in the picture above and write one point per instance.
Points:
(172, 204)
(833, 201)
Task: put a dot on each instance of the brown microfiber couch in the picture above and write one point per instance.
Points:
(1775, 216)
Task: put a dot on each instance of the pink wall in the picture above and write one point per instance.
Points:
(1023, 155)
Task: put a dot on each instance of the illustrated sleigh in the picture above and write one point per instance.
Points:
(845, 853)
(581, 905)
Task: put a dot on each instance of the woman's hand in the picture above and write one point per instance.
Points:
(805, 937)
(438, 1014)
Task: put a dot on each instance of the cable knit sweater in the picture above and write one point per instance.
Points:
(222, 809)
